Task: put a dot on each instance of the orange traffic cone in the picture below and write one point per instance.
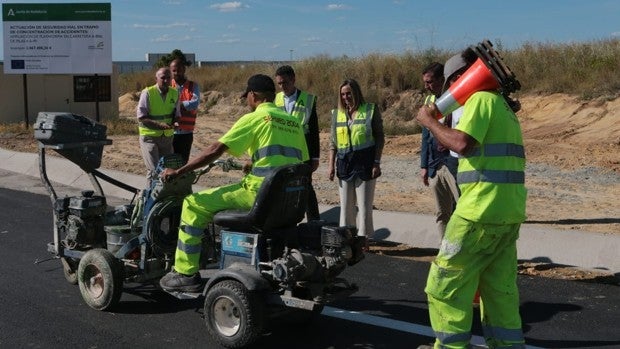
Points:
(477, 78)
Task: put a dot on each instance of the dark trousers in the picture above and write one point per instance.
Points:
(182, 144)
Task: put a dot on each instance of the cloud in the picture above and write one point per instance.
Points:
(159, 26)
(172, 2)
(312, 39)
(615, 34)
(337, 7)
(228, 41)
(229, 6)
(163, 38)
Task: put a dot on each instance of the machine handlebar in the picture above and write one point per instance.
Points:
(225, 165)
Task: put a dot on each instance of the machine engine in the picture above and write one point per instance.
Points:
(81, 219)
(322, 255)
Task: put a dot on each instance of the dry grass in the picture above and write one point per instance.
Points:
(589, 70)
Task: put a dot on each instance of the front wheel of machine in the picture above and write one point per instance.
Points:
(100, 277)
(69, 268)
(234, 316)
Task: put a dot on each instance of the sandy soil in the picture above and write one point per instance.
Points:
(572, 150)
(572, 175)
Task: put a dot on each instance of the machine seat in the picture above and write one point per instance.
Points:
(280, 203)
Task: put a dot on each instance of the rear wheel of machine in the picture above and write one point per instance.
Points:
(100, 277)
(69, 268)
(234, 315)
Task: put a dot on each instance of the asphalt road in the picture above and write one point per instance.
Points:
(39, 309)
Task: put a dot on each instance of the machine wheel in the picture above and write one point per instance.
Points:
(69, 268)
(100, 277)
(163, 223)
(234, 315)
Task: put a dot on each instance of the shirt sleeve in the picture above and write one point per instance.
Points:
(238, 138)
(475, 118)
(193, 103)
(143, 105)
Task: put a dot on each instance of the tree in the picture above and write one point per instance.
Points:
(165, 61)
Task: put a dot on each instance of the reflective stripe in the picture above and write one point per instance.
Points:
(263, 171)
(504, 334)
(499, 149)
(193, 231)
(447, 103)
(297, 188)
(188, 249)
(277, 149)
(492, 176)
(447, 338)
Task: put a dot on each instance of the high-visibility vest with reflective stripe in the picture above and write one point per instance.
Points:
(356, 136)
(492, 176)
(187, 122)
(160, 110)
(270, 156)
(302, 108)
(270, 136)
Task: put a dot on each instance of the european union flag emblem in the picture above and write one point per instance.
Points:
(18, 64)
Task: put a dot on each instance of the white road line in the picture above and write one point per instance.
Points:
(392, 324)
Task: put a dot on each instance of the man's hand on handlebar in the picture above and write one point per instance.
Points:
(168, 174)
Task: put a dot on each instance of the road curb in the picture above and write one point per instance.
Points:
(537, 243)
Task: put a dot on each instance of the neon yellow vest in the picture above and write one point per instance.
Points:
(492, 177)
(277, 139)
(302, 108)
(358, 135)
(160, 110)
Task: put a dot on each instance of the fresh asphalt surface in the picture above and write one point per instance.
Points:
(41, 310)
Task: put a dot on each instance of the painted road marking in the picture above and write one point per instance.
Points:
(392, 324)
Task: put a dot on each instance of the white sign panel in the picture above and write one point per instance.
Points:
(57, 38)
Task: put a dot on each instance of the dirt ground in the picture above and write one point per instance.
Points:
(572, 175)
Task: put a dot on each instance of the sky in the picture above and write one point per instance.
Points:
(283, 30)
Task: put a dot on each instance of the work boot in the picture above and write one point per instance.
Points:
(175, 281)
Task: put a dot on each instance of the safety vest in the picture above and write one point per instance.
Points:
(276, 139)
(302, 108)
(356, 136)
(187, 122)
(429, 99)
(492, 176)
(160, 110)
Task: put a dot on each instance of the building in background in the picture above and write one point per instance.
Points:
(57, 93)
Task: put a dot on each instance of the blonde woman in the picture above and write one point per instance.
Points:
(356, 145)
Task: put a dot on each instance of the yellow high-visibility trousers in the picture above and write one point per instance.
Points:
(197, 212)
(475, 256)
